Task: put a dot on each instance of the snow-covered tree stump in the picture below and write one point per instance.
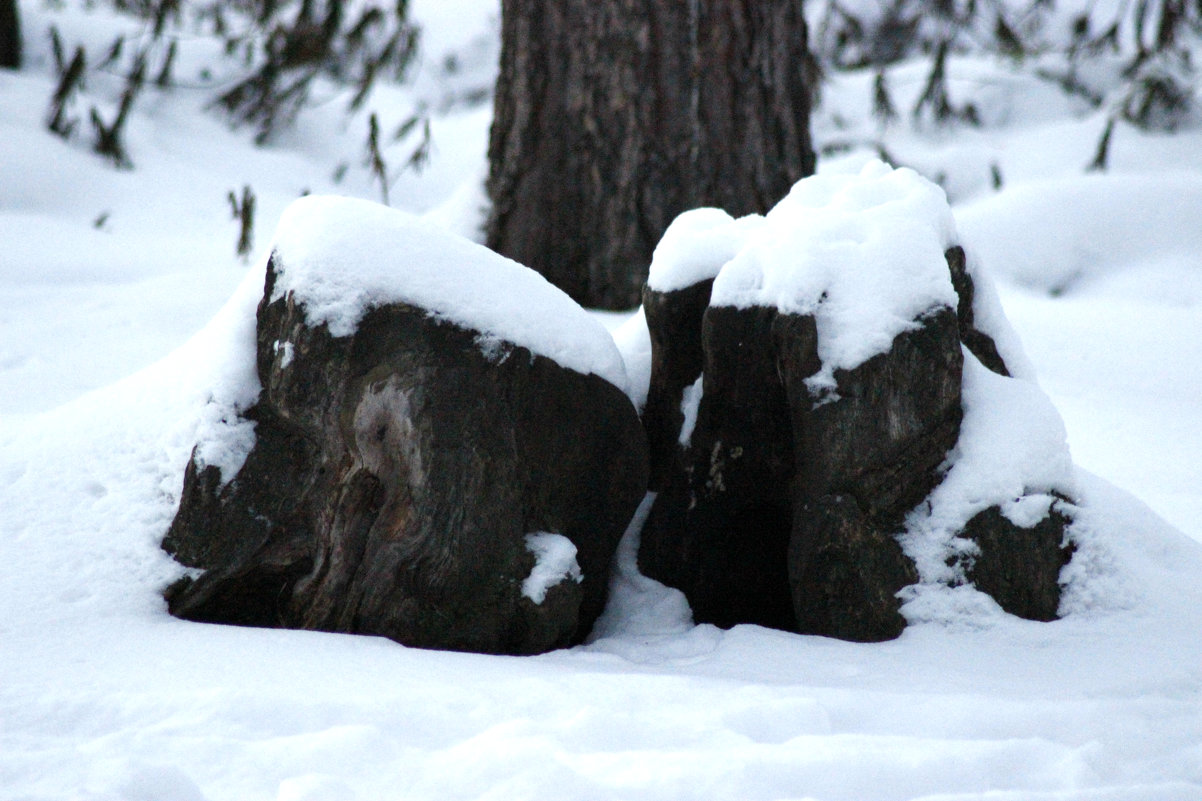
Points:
(823, 441)
(441, 453)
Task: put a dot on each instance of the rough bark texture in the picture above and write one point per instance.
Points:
(894, 419)
(865, 459)
(614, 116)
(394, 477)
(10, 35)
(845, 572)
(1020, 567)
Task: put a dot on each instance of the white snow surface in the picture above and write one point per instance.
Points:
(224, 438)
(109, 373)
(634, 343)
(697, 245)
(340, 257)
(1060, 234)
(863, 254)
(554, 562)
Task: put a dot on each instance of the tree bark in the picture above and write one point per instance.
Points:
(613, 116)
(10, 35)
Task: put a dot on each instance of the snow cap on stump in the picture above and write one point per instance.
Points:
(340, 257)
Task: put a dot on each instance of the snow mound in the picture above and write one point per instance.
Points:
(1069, 234)
(340, 257)
(640, 607)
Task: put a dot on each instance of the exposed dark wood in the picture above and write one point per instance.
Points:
(1020, 567)
(782, 508)
(10, 35)
(613, 116)
(976, 340)
(674, 321)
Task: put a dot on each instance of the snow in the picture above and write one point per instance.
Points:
(162, 262)
(119, 349)
(1068, 233)
(690, 404)
(289, 351)
(863, 254)
(554, 562)
(1124, 369)
(640, 610)
(634, 343)
(990, 318)
(697, 245)
(340, 257)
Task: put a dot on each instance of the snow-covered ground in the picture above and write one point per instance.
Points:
(113, 326)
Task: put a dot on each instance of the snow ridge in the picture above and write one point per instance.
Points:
(342, 256)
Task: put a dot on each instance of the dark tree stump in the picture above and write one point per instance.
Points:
(674, 323)
(894, 420)
(10, 35)
(720, 529)
(784, 506)
(787, 506)
(394, 479)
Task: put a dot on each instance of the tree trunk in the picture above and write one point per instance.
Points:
(613, 116)
(10, 35)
